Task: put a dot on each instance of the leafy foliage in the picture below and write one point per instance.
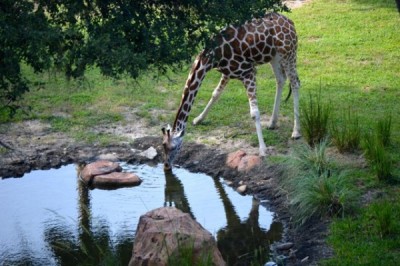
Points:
(120, 37)
(25, 36)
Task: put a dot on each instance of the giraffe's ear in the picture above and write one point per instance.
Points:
(166, 133)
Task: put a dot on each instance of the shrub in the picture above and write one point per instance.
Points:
(314, 120)
(346, 135)
(311, 160)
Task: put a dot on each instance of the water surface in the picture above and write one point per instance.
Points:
(48, 217)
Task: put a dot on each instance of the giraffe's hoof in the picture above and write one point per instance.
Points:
(296, 135)
(272, 126)
(196, 121)
(263, 152)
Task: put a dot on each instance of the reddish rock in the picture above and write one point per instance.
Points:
(234, 158)
(162, 231)
(248, 162)
(99, 168)
(241, 161)
(116, 180)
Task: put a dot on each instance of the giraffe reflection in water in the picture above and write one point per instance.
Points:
(239, 240)
(94, 245)
(175, 194)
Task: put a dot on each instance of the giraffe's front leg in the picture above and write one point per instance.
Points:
(295, 86)
(250, 84)
(296, 127)
(255, 114)
(215, 95)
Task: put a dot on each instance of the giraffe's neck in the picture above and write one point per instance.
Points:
(199, 69)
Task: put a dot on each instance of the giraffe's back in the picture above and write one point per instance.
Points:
(239, 48)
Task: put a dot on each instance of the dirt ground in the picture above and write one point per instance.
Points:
(33, 145)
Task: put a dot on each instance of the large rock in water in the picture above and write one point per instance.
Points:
(107, 175)
(162, 233)
(101, 167)
(116, 180)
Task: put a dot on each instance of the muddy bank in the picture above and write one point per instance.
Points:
(32, 146)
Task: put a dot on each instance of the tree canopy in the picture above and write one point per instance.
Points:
(117, 36)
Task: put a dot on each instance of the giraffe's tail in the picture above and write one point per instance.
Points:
(288, 96)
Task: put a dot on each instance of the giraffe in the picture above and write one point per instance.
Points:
(235, 53)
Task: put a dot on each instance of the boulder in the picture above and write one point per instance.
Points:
(150, 153)
(107, 175)
(234, 158)
(241, 161)
(115, 180)
(162, 233)
(101, 167)
(248, 162)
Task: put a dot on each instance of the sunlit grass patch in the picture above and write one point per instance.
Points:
(372, 238)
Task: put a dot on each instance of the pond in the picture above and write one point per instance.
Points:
(49, 217)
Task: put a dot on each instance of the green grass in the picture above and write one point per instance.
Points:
(372, 238)
(349, 48)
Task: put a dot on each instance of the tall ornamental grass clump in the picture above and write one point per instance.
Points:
(375, 147)
(314, 119)
(320, 196)
(383, 130)
(346, 132)
(314, 186)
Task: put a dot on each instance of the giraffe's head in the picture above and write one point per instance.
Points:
(172, 143)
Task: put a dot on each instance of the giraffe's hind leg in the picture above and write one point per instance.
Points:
(215, 95)
(294, 87)
(280, 77)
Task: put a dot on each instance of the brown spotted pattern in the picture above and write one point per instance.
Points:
(237, 51)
